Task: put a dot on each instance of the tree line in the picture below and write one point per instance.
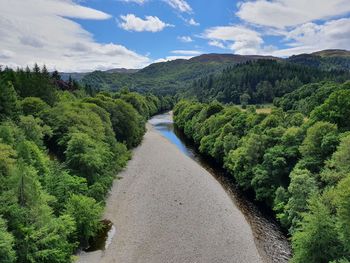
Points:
(298, 164)
(60, 150)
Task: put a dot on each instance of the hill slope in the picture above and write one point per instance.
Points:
(330, 59)
(169, 77)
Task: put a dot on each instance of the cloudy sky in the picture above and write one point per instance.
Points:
(84, 35)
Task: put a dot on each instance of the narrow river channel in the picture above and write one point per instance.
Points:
(173, 205)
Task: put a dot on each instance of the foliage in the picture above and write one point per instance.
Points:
(298, 166)
(258, 82)
(9, 106)
(60, 151)
(7, 253)
(86, 213)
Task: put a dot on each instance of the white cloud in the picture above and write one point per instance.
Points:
(239, 39)
(170, 58)
(192, 22)
(187, 52)
(185, 39)
(41, 31)
(284, 13)
(150, 23)
(179, 5)
(140, 2)
(312, 37)
(216, 43)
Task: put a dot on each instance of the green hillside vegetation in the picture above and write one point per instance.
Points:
(331, 59)
(299, 167)
(59, 154)
(305, 98)
(165, 78)
(168, 78)
(258, 82)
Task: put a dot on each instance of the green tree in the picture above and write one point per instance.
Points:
(342, 203)
(338, 166)
(244, 100)
(335, 110)
(7, 252)
(87, 157)
(320, 142)
(33, 106)
(302, 186)
(316, 241)
(86, 213)
(9, 105)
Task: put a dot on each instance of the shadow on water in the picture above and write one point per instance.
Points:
(103, 238)
(271, 242)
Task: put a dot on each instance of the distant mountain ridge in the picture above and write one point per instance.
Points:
(329, 59)
(166, 77)
(80, 75)
(332, 53)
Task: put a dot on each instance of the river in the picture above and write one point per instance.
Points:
(173, 205)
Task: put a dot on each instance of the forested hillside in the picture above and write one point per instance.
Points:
(332, 59)
(167, 78)
(296, 162)
(258, 82)
(60, 150)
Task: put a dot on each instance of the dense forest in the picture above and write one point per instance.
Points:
(325, 59)
(258, 82)
(61, 147)
(294, 159)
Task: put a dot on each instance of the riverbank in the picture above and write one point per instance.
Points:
(167, 208)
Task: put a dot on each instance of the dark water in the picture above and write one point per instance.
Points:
(271, 242)
(104, 237)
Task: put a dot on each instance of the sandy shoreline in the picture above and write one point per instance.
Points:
(167, 208)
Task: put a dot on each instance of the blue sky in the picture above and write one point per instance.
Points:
(160, 44)
(84, 35)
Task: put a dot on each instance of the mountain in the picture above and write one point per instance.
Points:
(171, 76)
(332, 53)
(74, 75)
(122, 70)
(167, 77)
(80, 75)
(329, 59)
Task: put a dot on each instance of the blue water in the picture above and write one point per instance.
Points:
(164, 124)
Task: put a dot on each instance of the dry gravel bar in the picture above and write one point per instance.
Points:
(167, 208)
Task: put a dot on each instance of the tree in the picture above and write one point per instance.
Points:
(338, 166)
(86, 157)
(9, 106)
(316, 241)
(335, 109)
(320, 142)
(86, 213)
(244, 100)
(302, 186)
(127, 124)
(34, 129)
(342, 203)
(7, 253)
(33, 106)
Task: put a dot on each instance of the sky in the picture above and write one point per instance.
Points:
(85, 35)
